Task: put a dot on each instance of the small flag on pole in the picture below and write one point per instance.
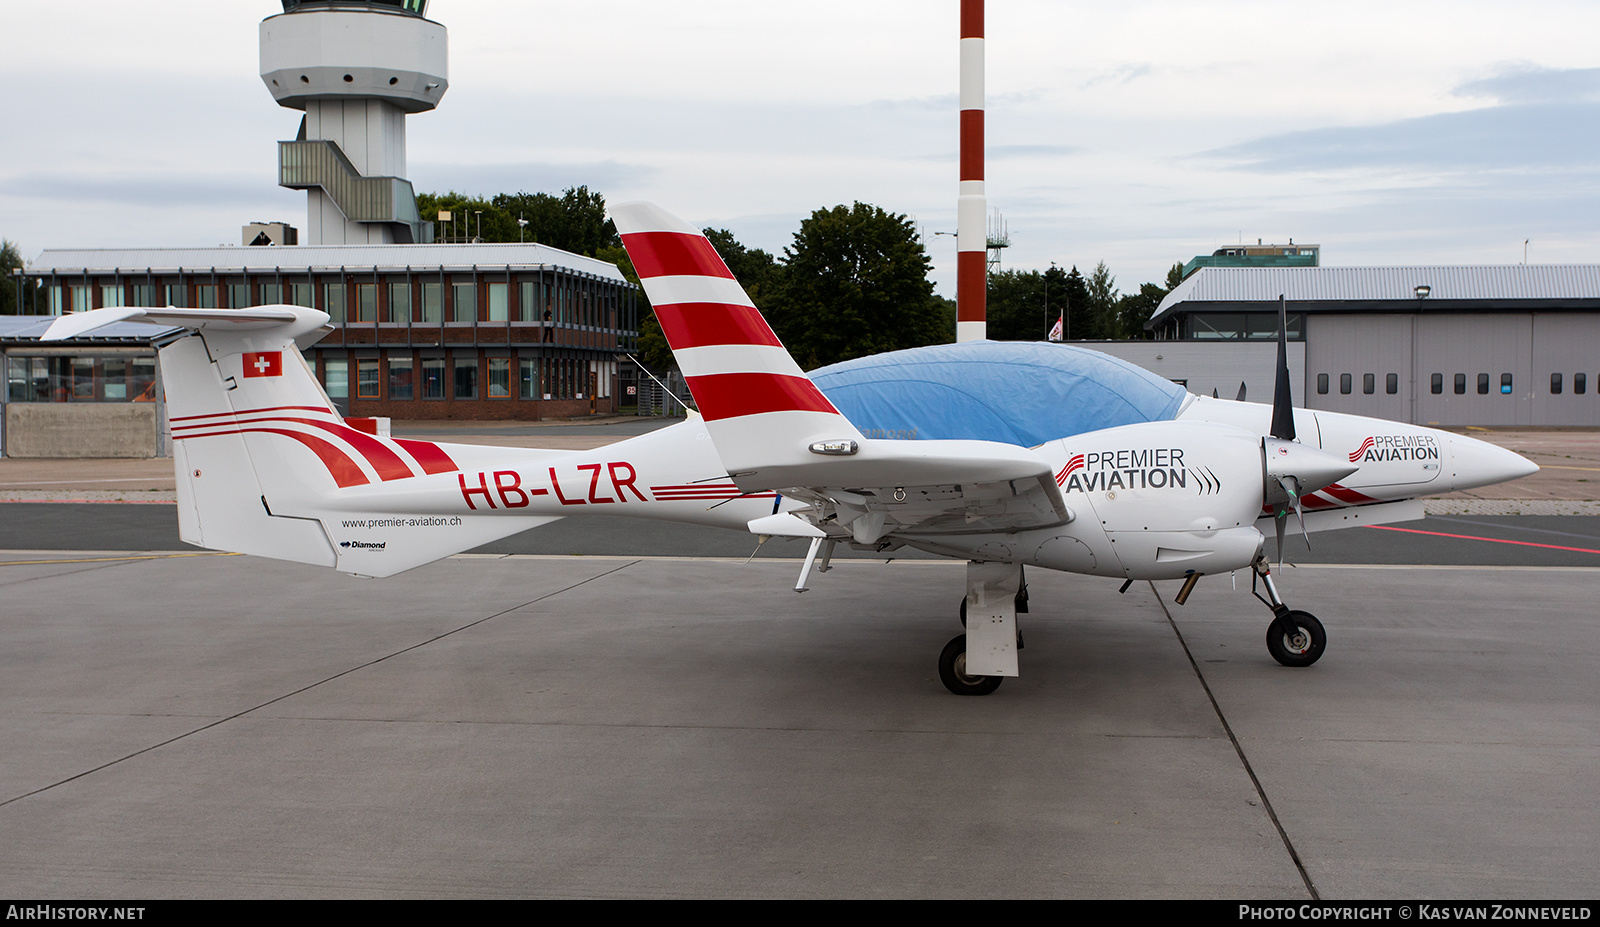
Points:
(1055, 330)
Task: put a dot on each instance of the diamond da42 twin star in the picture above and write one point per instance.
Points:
(1174, 489)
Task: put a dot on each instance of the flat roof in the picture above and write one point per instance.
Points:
(301, 258)
(1477, 287)
(25, 328)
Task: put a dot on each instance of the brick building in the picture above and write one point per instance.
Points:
(420, 331)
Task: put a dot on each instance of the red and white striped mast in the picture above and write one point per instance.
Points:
(972, 243)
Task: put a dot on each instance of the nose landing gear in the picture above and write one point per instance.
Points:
(1294, 638)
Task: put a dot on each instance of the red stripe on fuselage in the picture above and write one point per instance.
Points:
(728, 395)
(432, 458)
(185, 418)
(694, 325)
(386, 462)
(1346, 495)
(674, 254)
(345, 472)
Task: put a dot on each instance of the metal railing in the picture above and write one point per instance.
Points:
(303, 164)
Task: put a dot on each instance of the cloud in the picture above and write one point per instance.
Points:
(1529, 84)
(999, 152)
(527, 176)
(144, 190)
(1119, 76)
(1530, 136)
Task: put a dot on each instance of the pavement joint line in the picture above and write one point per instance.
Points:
(117, 479)
(209, 553)
(309, 686)
(1266, 803)
(860, 561)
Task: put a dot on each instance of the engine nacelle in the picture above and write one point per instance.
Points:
(1169, 498)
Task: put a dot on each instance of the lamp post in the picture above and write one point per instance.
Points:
(478, 235)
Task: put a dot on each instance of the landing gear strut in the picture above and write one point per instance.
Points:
(976, 662)
(1294, 638)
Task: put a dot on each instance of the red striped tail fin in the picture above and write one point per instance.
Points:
(761, 409)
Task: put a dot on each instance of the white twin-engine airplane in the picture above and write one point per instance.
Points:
(267, 466)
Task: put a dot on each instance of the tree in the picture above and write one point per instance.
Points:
(855, 282)
(1077, 298)
(1102, 304)
(574, 221)
(1135, 309)
(10, 260)
(1019, 306)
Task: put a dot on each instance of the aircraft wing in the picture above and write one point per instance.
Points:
(774, 430)
(977, 505)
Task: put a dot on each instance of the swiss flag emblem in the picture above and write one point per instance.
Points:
(263, 364)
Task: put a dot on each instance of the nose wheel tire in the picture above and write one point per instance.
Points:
(1302, 648)
(953, 671)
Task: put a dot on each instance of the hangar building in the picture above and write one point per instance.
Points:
(1449, 345)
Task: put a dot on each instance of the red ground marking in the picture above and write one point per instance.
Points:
(1469, 537)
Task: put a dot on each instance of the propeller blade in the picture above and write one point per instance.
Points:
(1240, 397)
(1280, 513)
(1280, 518)
(1291, 487)
(1282, 402)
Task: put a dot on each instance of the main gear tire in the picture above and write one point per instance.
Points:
(953, 671)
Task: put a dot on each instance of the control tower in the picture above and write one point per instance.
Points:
(357, 68)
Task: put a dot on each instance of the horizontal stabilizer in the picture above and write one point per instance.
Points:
(298, 319)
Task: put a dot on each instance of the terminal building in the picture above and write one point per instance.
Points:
(475, 331)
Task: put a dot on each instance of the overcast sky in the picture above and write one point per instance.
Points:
(1138, 133)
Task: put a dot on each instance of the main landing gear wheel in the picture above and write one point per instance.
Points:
(953, 671)
(1302, 648)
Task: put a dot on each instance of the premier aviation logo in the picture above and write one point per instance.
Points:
(1134, 468)
(1396, 447)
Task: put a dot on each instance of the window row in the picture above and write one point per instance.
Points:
(1436, 385)
(1369, 383)
(400, 377)
(82, 378)
(1244, 326)
(550, 299)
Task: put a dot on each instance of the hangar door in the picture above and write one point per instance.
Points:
(1475, 369)
(1566, 369)
(1360, 364)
